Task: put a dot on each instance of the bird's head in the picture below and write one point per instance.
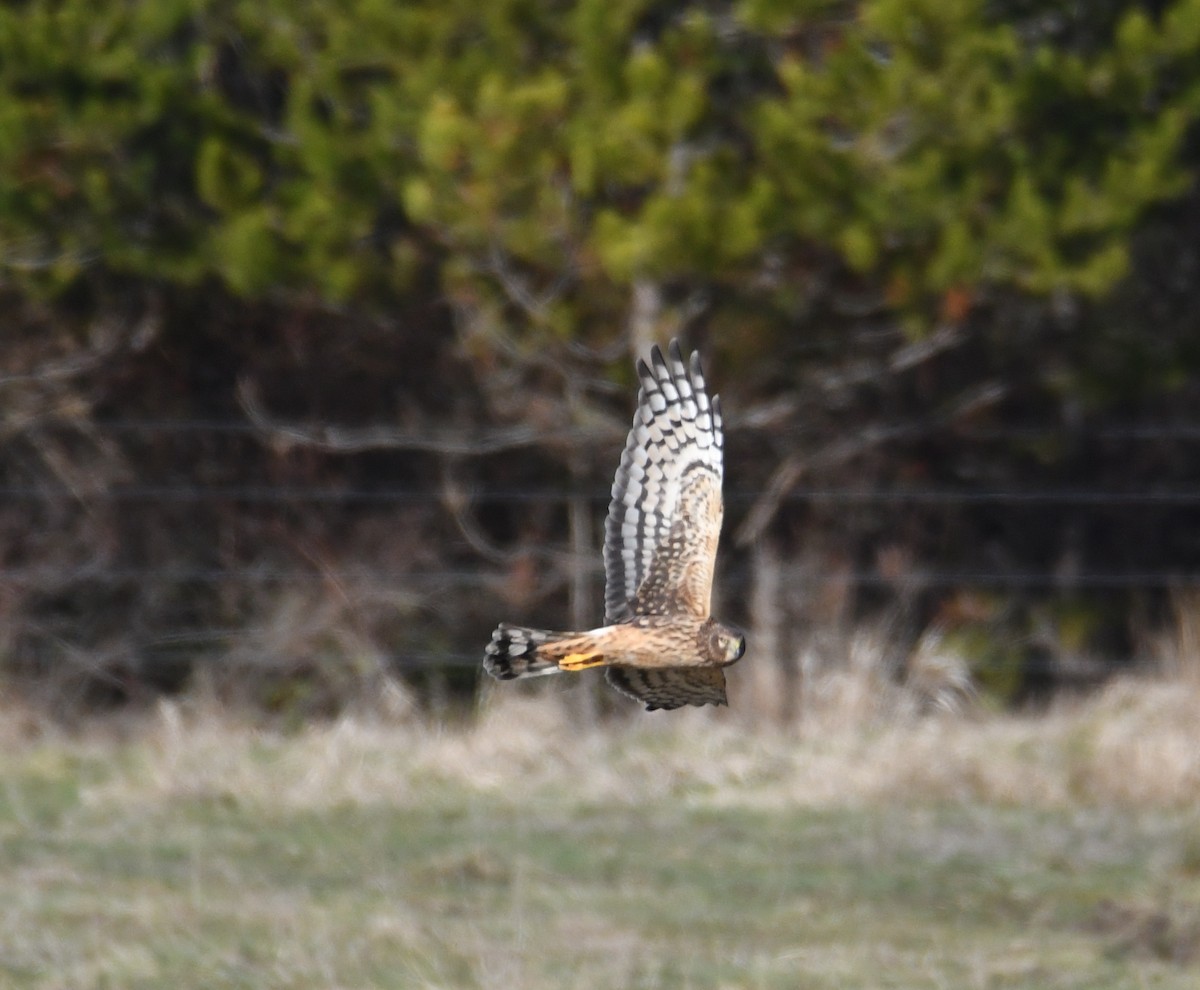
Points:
(726, 643)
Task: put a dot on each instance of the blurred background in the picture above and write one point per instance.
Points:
(317, 336)
(319, 326)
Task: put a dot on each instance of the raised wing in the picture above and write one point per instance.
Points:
(670, 687)
(664, 521)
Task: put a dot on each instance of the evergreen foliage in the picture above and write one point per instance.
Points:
(331, 149)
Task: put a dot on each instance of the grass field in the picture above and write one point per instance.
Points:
(677, 852)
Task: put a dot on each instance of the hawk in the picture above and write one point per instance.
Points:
(659, 644)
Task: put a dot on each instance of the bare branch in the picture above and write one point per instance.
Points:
(917, 352)
(457, 502)
(516, 286)
(105, 341)
(341, 439)
(766, 415)
(794, 468)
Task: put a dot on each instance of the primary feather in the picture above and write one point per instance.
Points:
(676, 441)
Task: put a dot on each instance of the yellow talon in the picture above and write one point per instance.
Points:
(581, 661)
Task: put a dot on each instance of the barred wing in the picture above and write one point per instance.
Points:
(664, 521)
(670, 687)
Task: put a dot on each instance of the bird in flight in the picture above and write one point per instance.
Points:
(660, 644)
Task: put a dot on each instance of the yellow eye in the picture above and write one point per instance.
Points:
(741, 648)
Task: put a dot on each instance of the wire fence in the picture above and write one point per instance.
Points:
(490, 575)
(928, 578)
(910, 428)
(291, 494)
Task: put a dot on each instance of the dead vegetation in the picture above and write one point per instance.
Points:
(1135, 743)
(189, 846)
(857, 737)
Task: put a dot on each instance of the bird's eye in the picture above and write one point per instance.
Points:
(741, 648)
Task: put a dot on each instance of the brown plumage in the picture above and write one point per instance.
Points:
(660, 645)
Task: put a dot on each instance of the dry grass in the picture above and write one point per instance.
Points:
(870, 847)
(1136, 743)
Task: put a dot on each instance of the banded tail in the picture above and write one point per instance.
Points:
(519, 652)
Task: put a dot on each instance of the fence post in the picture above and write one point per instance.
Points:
(767, 647)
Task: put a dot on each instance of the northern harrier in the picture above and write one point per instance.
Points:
(660, 645)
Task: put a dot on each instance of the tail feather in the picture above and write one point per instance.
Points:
(512, 653)
(519, 652)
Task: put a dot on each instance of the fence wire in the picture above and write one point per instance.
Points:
(293, 494)
(490, 575)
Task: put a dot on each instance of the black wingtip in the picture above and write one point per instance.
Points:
(660, 362)
(674, 351)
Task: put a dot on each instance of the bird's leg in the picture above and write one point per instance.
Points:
(582, 661)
